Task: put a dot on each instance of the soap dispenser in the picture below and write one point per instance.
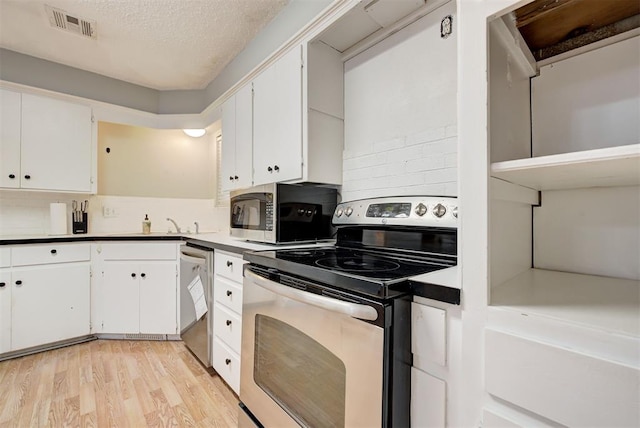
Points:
(146, 225)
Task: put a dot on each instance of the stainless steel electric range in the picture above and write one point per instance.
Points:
(326, 331)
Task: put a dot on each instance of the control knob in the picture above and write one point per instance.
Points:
(454, 211)
(339, 212)
(439, 210)
(421, 209)
(348, 211)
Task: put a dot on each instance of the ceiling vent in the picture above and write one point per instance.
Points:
(73, 24)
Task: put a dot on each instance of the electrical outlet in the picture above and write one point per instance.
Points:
(109, 212)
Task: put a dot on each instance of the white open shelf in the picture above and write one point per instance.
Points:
(612, 166)
(604, 303)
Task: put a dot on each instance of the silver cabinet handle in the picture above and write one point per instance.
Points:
(354, 310)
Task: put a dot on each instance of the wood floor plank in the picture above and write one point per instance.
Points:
(134, 412)
(90, 420)
(113, 384)
(164, 411)
(87, 399)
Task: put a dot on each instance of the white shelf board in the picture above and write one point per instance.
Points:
(612, 166)
(604, 303)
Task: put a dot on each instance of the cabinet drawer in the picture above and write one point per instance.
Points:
(227, 364)
(228, 265)
(228, 293)
(138, 251)
(5, 257)
(228, 327)
(41, 254)
(565, 386)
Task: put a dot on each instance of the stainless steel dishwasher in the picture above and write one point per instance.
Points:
(196, 301)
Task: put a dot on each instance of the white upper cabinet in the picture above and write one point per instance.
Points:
(237, 140)
(298, 126)
(278, 120)
(45, 144)
(9, 139)
(56, 145)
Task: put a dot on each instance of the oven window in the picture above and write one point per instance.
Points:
(298, 373)
(247, 214)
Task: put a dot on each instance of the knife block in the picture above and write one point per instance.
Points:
(81, 226)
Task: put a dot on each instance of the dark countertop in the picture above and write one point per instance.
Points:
(209, 241)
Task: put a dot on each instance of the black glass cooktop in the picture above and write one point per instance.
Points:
(369, 264)
(374, 273)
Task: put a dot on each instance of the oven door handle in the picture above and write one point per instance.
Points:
(354, 310)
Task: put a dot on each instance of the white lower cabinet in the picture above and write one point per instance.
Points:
(119, 299)
(46, 294)
(158, 302)
(5, 310)
(135, 290)
(561, 384)
(49, 304)
(428, 400)
(227, 317)
(429, 372)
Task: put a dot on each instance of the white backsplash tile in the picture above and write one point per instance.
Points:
(27, 213)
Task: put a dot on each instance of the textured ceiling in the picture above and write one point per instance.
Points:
(160, 44)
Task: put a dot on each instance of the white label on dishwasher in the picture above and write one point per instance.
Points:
(196, 289)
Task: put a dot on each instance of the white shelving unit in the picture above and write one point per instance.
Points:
(611, 166)
(555, 322)
(609, 304)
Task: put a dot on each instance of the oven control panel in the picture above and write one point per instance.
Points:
(426, 211)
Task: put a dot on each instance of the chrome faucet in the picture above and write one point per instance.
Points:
(197, 227)
(175, 224)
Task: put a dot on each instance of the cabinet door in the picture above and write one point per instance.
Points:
(49, 304)
(428, 400)
(9, 139)
(244, 137)
(228, 163)
(277, 135)
(158, 298)
(120, 298)
(5, 311)
(56, 145)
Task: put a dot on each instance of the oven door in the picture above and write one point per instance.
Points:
(252, 215)
(307, 359)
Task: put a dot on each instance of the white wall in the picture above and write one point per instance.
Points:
(591, 231)
(400, 114)
(599, 108)
(155, 162)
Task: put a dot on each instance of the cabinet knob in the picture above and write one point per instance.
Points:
(229, 293)
(12, 176)
(143, 274)
(18, 282)
(227, 361)
(231, 178)
(133, 275)
(269, 169)
(2, 284)
(228, 322)
(54, 251)
(27, 177)
(235, 177)
(276, 168)
(229, 264)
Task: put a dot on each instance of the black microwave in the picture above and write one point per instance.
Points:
(277, 213)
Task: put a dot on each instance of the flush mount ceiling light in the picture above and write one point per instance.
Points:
(196, 133)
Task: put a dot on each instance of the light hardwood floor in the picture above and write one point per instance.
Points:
(111, 383)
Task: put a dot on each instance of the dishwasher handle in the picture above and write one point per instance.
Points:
(196, 260)
(354, 310)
